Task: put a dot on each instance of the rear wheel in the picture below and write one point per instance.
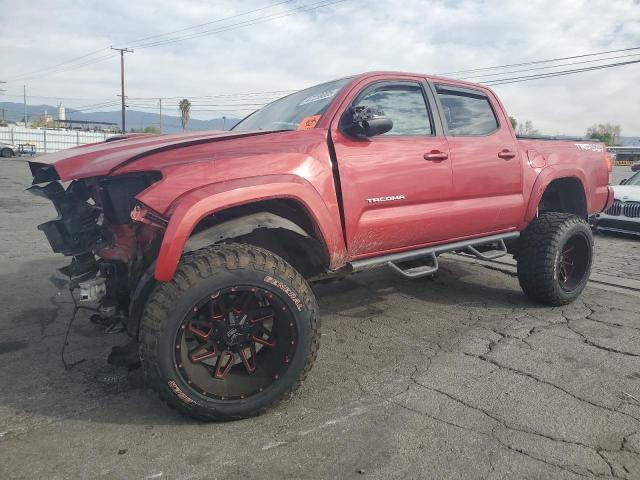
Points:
(234, 332)
(6, 152)
(554, 258)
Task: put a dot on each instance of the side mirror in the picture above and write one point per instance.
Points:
(623, 181)
(365, 122)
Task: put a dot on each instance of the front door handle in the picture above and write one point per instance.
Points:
(506, 154)
(435, 156)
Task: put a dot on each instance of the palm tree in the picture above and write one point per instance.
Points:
(185, 108)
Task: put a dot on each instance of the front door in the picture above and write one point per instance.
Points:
(394, 186)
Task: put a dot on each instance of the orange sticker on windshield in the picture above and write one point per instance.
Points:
(308, 122)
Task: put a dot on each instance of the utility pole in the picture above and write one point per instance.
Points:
(122, 52)
(24, 91)
(160, 100)
(1, 91)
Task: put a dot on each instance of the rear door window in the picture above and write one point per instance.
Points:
(467, 112)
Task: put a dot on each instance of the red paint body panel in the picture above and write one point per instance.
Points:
(488, 189)
(473, 192)
(199, 203)
(103, 158)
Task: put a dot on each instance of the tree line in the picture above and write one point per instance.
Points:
(607, 133)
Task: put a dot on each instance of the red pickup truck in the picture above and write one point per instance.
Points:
(203, 245)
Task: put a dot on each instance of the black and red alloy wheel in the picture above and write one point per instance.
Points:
(235, 342)
(573, 262)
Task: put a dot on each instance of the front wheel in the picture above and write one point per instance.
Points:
(7, 153)
(233, 333)
(554, 258)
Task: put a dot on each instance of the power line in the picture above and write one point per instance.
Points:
(96, 107)
(268, 18)
(81, 57)
(541, 61)
(65, 69)
(218, 20)
(222, 95)
(526, 78)
(62, 63)
(227, 104)
(70, 64)
(56, 97)
(491, 82)
(266, 96)
(548, 67)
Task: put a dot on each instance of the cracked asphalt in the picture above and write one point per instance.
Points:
(456, 377)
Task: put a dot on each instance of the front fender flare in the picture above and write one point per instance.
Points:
(238, 227)
(191, 208)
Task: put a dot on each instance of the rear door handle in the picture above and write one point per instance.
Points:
(435, 156)
(506, 154)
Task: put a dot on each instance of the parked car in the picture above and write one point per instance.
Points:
(204, 244)
(624, 215)
(8, 150)
(635, 167)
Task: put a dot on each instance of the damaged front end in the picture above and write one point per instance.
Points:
(111, 253)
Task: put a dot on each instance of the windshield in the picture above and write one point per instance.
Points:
(634, 180)
(297, 111)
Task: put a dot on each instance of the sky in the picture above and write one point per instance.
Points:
(291, 45)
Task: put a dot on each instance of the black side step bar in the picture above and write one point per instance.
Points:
(420, 270)
(491, 254)
(392, 260)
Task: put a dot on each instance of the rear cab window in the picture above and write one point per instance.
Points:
(467, 112)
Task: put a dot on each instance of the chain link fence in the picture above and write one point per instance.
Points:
(46, 141)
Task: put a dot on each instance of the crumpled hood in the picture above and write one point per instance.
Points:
(627, 193)
(103, 158)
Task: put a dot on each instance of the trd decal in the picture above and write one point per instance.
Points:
(590, 146)
(390, 198)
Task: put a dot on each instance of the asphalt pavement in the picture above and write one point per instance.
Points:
(456, 377)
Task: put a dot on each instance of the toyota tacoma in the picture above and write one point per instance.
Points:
(203, 245)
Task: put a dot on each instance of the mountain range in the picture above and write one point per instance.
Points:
(12, 112)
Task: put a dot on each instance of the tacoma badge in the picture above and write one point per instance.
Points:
(390, 198)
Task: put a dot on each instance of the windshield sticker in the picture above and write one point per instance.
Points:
(594, 147)
(308, 122)
(319, 96)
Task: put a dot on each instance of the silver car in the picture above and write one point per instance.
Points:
(7, 150)
(624, 215)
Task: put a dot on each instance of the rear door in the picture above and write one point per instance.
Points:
(485, 162)
(394, 185)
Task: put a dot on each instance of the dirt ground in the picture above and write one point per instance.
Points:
(456, 377)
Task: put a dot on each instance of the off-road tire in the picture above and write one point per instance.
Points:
(200, 273)
(540, 247)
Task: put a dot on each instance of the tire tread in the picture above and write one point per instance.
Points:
(204, 263)
(539, 244)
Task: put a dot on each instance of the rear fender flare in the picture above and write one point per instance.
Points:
(192, 207)
(545, 177)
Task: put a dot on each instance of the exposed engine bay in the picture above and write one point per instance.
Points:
(109, 251)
